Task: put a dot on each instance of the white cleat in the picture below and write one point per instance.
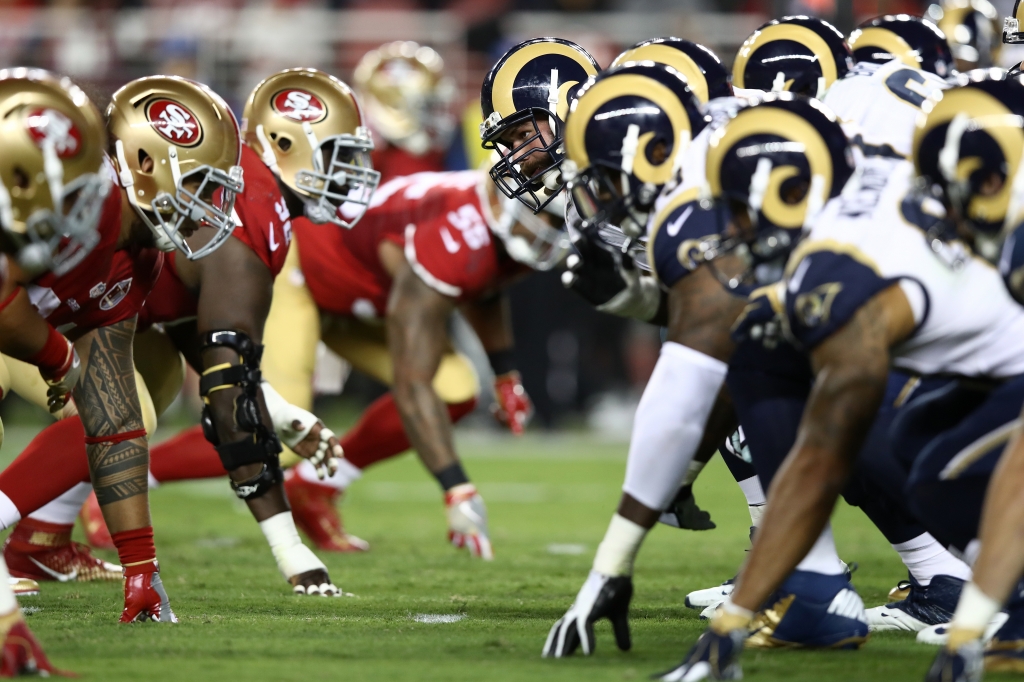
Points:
(881, 618)
(711, 596)
(936, 635)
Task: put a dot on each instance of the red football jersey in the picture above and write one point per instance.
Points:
(392, 161)
(442, 220)
(107, 287)
(263, 224)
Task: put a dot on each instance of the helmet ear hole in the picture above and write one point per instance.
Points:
(21, 179)
(273, 136)
(146, 163)
(283, 143)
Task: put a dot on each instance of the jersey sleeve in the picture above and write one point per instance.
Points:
(676, 233)
(826, 284)
(454, 253)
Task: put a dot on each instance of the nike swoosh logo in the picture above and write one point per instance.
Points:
(273, 244)
(450, 245)
(56, 575)
(677, 224)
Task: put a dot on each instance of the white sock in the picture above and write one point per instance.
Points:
(346, 475)
(925, 558)
(669, 423)
(64, 510)
(291, 555)
(754, 493)
(823, 558)
(8, 603)
(9, 514)
(693, 471)
(616, 553)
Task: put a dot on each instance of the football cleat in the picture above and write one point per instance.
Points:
(1005, 651)
(35, 551)
(937, 635)
(811, 610)
(900, 592)
(710, 597)
(22, 654)
(467, 521)
(963, 665)
(23, 587)
(315, 510)
(714, 656)
(94, 525)
(684, 513)
(600, 597)
(145, 599)
(932, 604)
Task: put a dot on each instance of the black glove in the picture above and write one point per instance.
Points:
(593, 272)
(600, 597)
(684, 513)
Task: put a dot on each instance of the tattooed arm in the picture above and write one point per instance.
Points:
(851, 368)
(108, 404)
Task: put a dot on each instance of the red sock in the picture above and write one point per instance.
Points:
(53, 463)
(185, 456)
(136, 550)
(31, 534)
(379, 434)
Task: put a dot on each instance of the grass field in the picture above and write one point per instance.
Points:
(549, 500)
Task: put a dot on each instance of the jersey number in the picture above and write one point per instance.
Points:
(472, 226)
(910, 86)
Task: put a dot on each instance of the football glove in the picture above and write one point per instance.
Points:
(611, 282)
(467, 521)
(62, 381)
(713, 657)
(600, 597)
(684, 513)
(303, 432)
(513, 407)
(966, 664)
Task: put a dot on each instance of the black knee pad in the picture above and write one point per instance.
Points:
(260, 484)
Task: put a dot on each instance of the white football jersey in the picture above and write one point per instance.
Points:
(878, 105)
(875, 235)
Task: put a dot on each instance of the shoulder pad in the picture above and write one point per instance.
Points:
(676, 233)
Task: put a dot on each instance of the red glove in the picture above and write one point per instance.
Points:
(513, 407)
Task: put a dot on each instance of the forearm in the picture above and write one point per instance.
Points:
(1001, 562)
(427, 424)
(24, 334)
(491, 319)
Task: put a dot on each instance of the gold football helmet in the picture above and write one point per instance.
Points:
(408, 98)
(308, 128)
(52, 182)
(177, 150)
(972, 31)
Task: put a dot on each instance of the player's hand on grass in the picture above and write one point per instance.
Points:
(314, 583)
(600, 597)
(467, 521)
(513, 407)
(715, 656)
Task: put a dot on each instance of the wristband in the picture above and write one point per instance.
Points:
(502, 361)
(56, 356)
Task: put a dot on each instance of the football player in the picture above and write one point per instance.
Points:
(326, 164)
(972, 29)
(853, 295)
(408, 101)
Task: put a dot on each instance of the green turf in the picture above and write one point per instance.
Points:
(239, 621)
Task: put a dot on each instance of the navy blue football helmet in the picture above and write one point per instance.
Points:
(797, 54)
(916, 42)
(525, 99)
(972, 30)
(623, 139)
(703, 70)
(775, 165)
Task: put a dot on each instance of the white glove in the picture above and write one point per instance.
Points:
(601, 596)
(467, 521)
(293, 425)
(639, 300)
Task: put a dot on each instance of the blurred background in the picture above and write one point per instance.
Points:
(581, 368)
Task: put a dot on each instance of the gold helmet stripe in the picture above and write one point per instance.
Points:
(887, 41)
(629, 85)
(669, 56)
(986, 113)
(781, 123)
(793, 32)
(504, 80)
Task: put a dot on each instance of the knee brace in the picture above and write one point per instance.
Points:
(263, 447)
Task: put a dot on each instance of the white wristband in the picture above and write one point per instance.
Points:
(617, 552)
(975, 609)
(293, 558)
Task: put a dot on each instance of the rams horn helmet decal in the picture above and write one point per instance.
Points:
(916, 42)
(531, 84)
(624, 139)
(971, 28)
(701, 67)
(795, 54)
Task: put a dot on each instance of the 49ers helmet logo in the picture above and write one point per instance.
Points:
(49, 126)
(299, 105)
(174, 121)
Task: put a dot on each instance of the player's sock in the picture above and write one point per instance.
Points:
(31, 534)
(822, 557)
(65, 508)
(186, 456)
(53, 462)
(379, 434)
(926, 558)
(136, 550)
(754, 493)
